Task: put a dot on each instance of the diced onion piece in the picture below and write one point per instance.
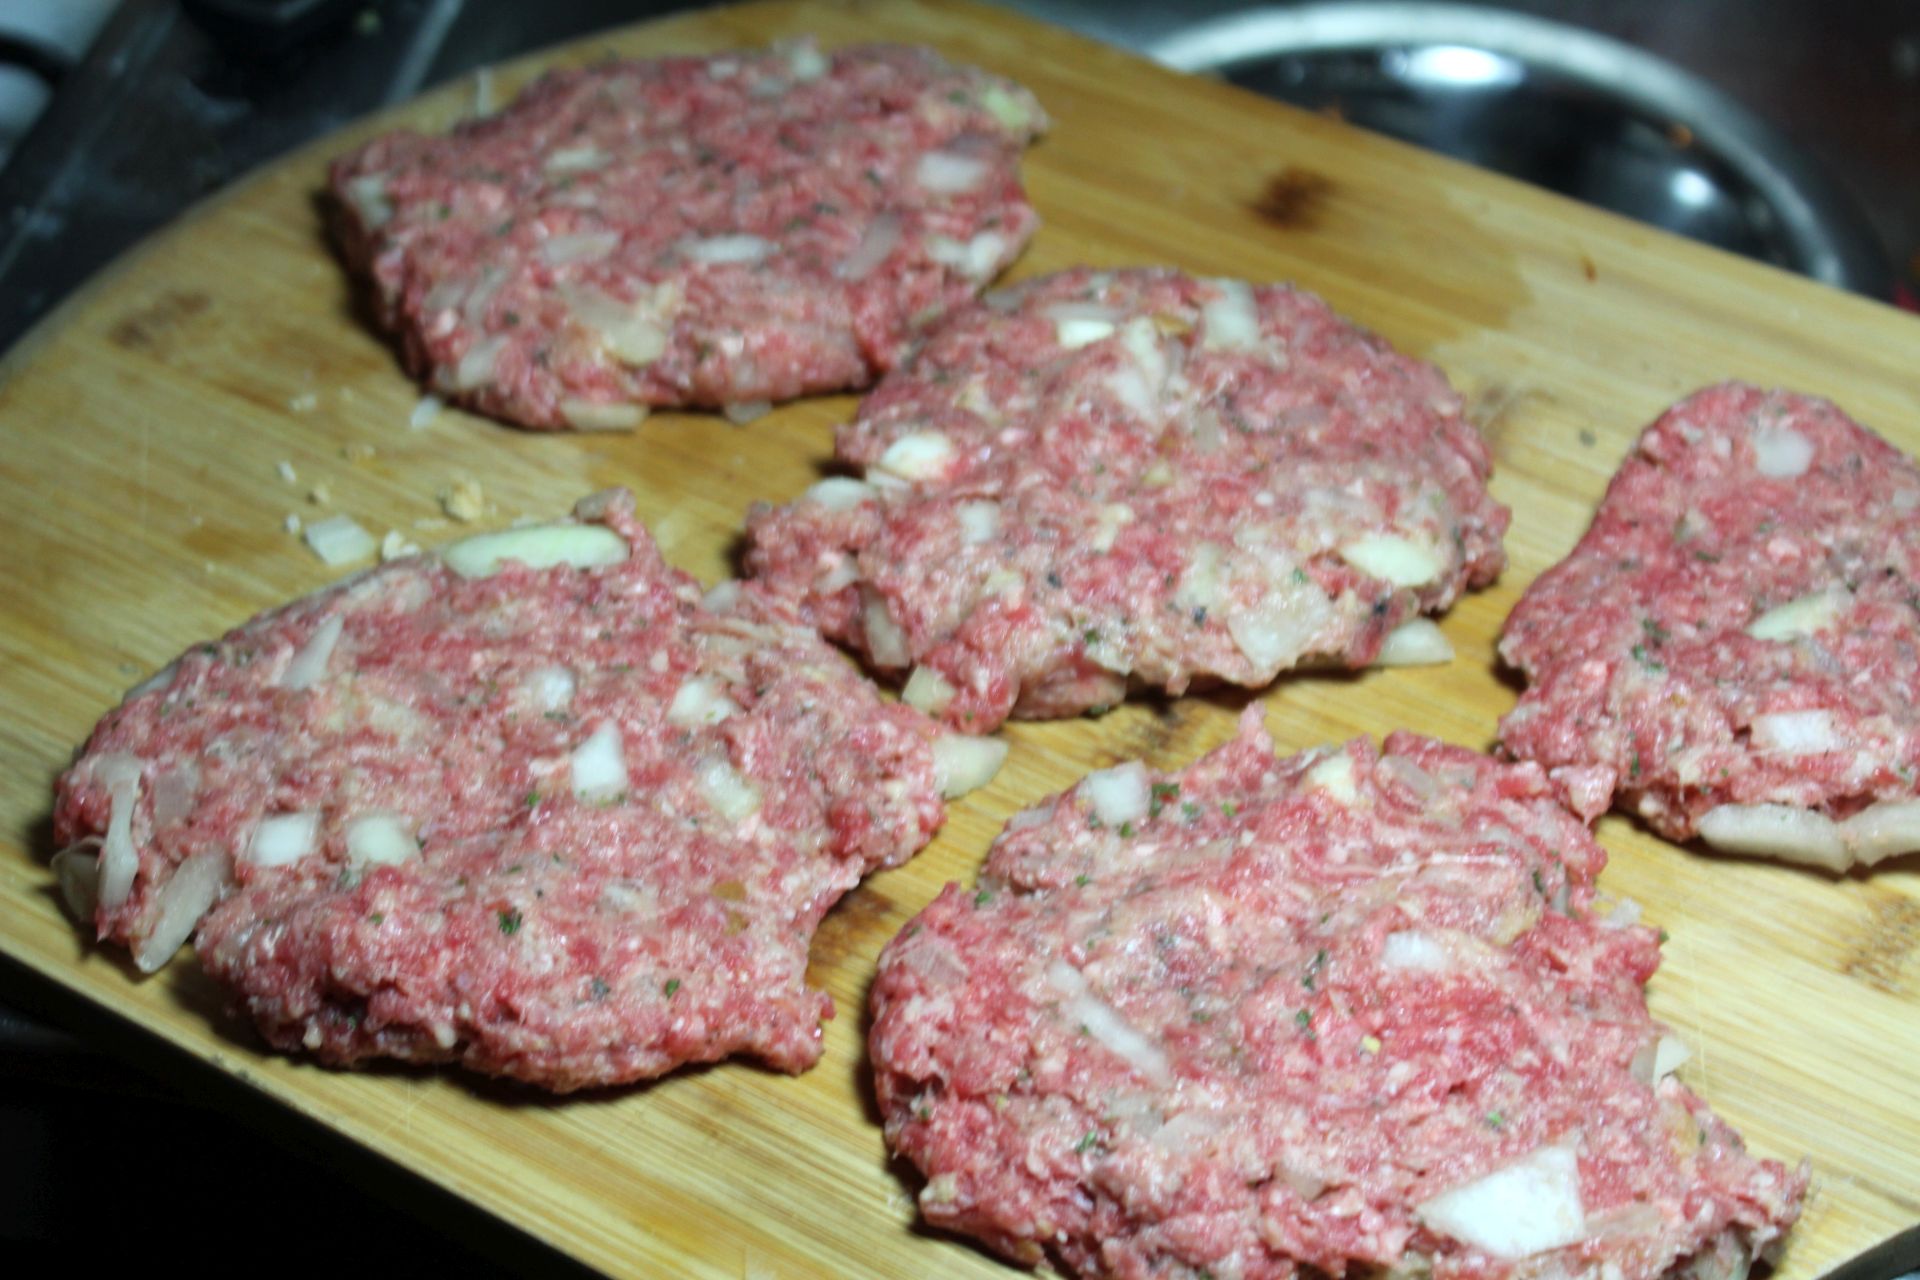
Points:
(1230, 322)
(1416, 642)
(182, 901)
(742, 412)
(380, 839)
(1658, 1059)
(634, 333)
(732, 795)
(729, 249)
(963, 763)
(699, 700)
(580, 246)
(1882, 830)
(601, 415)
(1076, 324)
(927, 690)
(1010, 109)
(538, 546)
(174, 792)
(838, 493)
(1777, 831)
(1796, 732)
(976, 259)
(78, 871)
(1119, 794)
(979, 521)
(598, 766)
(339, 540)
(1079, 331)
(368, 196)
(1334, 775)
(1781, 452)
(552, 688)
(806, 62)
(886, 642)
(1803, 617)
(919, 455)
(1104, 1023)
(309, 666)
(575, 159)
(1394, 559)
(120, 775)
(949, 173)
(1527, 1207)
(477, 362)
(877, 244)
(1625, 913)
(283, 839)
(721, 596)
(158, 680)
(425, 410)
(1112, 517)
(1410, 951)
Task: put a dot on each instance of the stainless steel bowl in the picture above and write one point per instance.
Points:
(1558, 106)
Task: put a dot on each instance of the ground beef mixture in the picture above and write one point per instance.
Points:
(1100, 481)
(690, 231)
(1349, 1012)
(1733, 649)
(528, 806)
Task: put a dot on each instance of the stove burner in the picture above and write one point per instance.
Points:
(1557, 106)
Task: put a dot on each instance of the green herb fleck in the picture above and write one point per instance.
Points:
(1162, 793)
(1633, 764)
(533, 799)
(1640, 656)
(1091, 635)
(1229, 808)
(983, 897)
(671, 988)
(509, 922)
(1083, 881)
(377, 917)
(1304, 1020)
(599, 989)
(1495, 1119)
(1126, 831)
(1314, 967)
(1539, 883)
(1087, 1143)
(1190, 811)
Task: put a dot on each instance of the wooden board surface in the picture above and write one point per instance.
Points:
(140, 511)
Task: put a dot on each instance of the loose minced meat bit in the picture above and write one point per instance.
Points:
(1348, 1013)
(527, 806)
(1733, 649)
(709, 231)
(1102, 481)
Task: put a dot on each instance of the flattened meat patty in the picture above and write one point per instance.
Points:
(690, 231)
(1346, 1013)
(1099, 481)
(526, 806)
(1733, 649)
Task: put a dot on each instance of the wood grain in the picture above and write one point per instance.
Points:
(140, 511)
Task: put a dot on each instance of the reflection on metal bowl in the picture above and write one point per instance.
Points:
(1558, 106)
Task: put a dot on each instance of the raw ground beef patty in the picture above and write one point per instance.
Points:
(1098, 481)
(690, 231)
(1349, 1012)
(526, 805)
(1733, 649)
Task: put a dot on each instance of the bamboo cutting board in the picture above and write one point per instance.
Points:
(140, 511)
